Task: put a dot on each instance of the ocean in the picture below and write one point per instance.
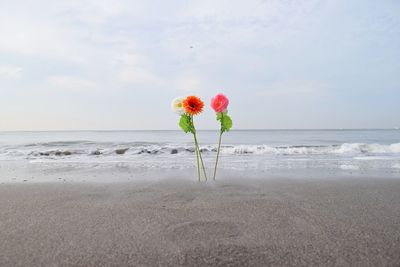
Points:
(275, 152)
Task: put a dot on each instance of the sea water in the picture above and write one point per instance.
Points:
(334, 152)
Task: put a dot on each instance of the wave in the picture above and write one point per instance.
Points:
(86, 148)
(85, 143)
(343, 149)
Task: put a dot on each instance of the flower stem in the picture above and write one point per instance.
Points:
(197, 157)
(201, 158)
(196, 148)
(216, 161)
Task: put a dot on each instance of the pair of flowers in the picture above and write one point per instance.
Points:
(191, 106)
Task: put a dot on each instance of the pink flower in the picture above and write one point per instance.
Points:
(219, 103)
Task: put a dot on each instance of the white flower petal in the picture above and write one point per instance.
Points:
(177, 105)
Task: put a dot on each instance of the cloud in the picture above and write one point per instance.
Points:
(71, 83)
(133, 68)
(295, 88)
(190, 84)
(10, 72)
(137, 76)
(102, 48)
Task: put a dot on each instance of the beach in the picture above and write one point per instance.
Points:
(117, 115)
(132, 198)
(180, 222)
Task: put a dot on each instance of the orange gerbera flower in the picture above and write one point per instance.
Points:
(193, 105)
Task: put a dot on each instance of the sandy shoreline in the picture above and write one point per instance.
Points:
(175, 222)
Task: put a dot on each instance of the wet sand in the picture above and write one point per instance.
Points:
(279, 222)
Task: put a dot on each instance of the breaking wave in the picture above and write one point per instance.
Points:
(344, 149)
(93, 149)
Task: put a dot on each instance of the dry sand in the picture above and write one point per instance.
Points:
(279, 222)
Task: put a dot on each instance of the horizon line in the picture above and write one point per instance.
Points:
(248, 129)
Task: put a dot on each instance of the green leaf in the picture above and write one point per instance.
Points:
(186, 124)
(226, 121)
(220, 114)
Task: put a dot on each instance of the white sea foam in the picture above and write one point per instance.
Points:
(86, 149)
(349, 167)
(360, 148)
(368, 151)
(344, 149)
(396, 166)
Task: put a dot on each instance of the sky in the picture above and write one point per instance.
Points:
(116, 64)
